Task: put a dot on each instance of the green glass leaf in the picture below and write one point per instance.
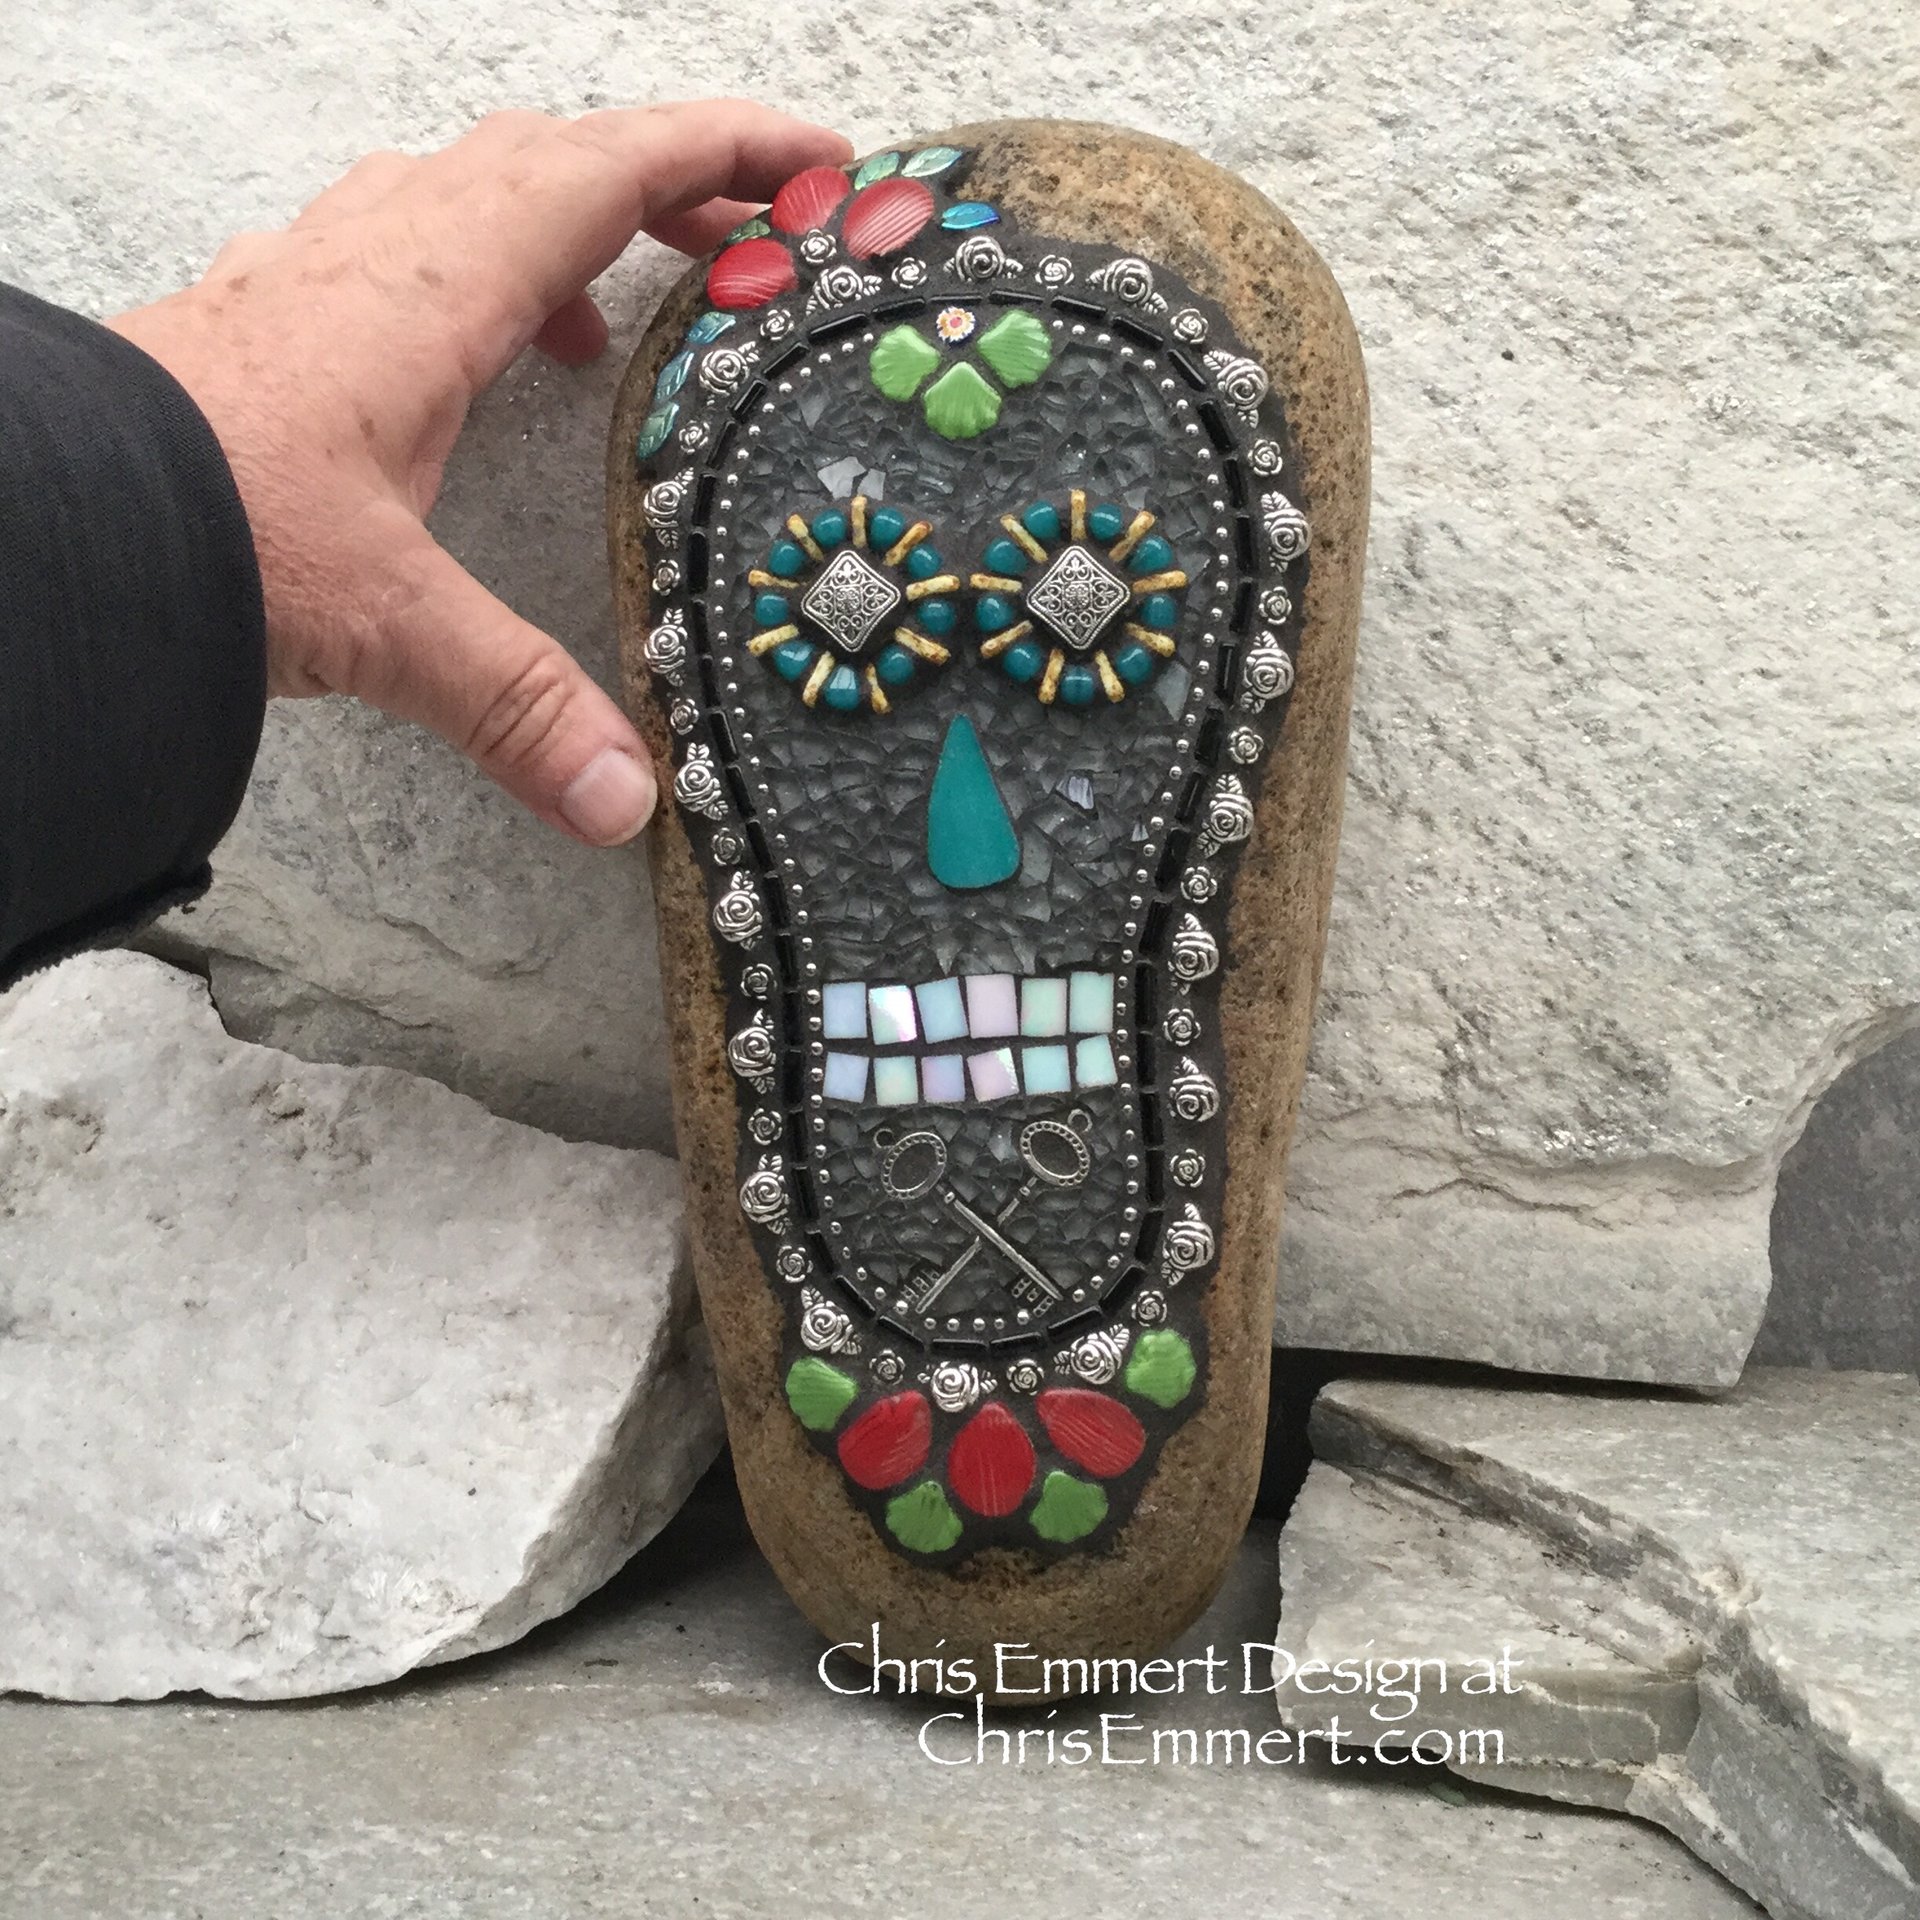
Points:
(923, 1518)
(930, 161)
(970, 838)
(817, 1393)
(900, 360)
(655, 428)
(1069, 1509)
(1016, 347)
(960, 405)
(876, 166)
(1161, 1369)
(749, 230)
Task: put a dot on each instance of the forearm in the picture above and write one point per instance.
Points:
(132, 645)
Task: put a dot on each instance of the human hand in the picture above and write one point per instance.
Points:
(336, 361)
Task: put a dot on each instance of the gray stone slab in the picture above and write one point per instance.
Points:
(1846, 1226)
(309, 1375)
(1628, 872)
(1711, 1610)
(669, 1750)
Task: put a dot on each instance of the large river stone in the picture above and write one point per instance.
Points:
(1627, 873)
(309, 1375)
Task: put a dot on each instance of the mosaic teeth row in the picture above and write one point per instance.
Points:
(942, 1079)
(977, 1006)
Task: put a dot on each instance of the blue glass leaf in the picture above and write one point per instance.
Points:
(877, 167)
(654, 430)
(673, 376)
(968, 213)
(710, 326)
(929, 161)
(748, 230)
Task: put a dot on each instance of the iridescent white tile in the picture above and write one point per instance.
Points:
(943, 1015)
(896, 1081)
(891, 1011)
(992, 1074)
(1090, 1002)
(1043, 1008)
(843, 1010)
(943, 1077)
(1093, 1061)
(846, 1076)
(993, 1005)
(1044, 1069)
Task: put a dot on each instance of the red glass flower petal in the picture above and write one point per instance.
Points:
(885, 216)
(808, 199)
(990, 1464)
(888, 1442)
(1091, 1429)
(750, 273)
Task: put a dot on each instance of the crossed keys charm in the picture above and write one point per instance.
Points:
(1056, 1155)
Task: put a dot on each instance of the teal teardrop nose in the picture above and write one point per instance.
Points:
(970, 839)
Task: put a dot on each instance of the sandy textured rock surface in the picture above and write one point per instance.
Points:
(1628, 870)
(309, 1375)
(668, 1749)
(1129, 1595)
(1710, 1610)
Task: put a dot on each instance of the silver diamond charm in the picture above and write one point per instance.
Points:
(849, 600)
(1077, 597)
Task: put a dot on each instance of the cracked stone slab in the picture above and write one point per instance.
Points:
(669, 1749)
(1627, 873)
(309, 1375)
(1710, 1608)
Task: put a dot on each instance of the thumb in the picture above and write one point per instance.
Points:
(513, 700)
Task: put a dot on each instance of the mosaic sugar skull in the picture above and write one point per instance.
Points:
(977, 560)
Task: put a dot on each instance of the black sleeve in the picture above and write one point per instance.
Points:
(132, 641)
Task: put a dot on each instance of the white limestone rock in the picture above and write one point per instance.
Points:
(309, 1375)
(1628, 874)
(1710, 1610)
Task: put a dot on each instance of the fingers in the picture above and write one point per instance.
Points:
(550, 210)
(574, 333)
(701, 229)
(511, 698)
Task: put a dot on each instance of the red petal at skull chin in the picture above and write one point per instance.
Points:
(990, 1464)
(1092, 1430)
(888, 1442)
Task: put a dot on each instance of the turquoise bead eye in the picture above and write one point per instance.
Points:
(850, 605)
(1080, 600)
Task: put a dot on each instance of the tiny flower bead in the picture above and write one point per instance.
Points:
(770, 609)
(1078, 686)
(895, 666)
(830, 528)
(923, 562)
(792, 658)
(992, 611)
(842, 691)
(1152, 555)
(884, 526)
(1002, 556)
(1134, 664)
(1023, 661)
(1042, 521)
(937, 616)
(1106, 523)
(786, 559)
(1159, 611)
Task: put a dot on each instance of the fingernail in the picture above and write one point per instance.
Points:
(610, 799)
